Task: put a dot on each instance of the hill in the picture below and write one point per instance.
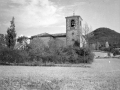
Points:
(103, 35)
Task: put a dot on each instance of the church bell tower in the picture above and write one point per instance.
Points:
(73, 29)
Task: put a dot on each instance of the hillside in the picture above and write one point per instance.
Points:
(103, 35)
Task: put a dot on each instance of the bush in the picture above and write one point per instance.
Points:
(53, 53)
(116, 52)
(68, 55)
(83, 55)
(48, 56)
(10, 56)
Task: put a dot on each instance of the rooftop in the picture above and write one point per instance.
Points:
(49, 35)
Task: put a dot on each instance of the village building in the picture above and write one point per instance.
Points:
(73, 34)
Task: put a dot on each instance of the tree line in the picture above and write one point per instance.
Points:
(37, 53)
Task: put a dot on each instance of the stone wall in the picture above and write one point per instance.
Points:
(73, 33)
(51, 41)
(60, 41)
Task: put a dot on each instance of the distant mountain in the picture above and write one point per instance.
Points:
(103, 35)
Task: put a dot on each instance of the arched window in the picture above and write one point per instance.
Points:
(72, 23)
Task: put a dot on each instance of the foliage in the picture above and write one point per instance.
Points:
(76, 44)
(20, 39)
(11, 35)
(84, 55)
(116, 52)
(36, 48)
(8, 55)
(22, 43)
(87, 32)
(2, 40)
(39, 54)
(102, 36)
(62, 55)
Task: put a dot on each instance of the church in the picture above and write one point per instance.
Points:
(73, 34)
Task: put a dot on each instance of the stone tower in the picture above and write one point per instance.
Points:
(73, 30)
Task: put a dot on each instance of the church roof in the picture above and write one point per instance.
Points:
(49, 35)
(59, 35)
(41, 35)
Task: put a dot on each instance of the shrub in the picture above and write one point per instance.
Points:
(47, 56)
(70, 55)
(10, 56)
(83, 55)
(116, 52)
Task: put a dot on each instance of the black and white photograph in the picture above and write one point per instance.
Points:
(59, 44)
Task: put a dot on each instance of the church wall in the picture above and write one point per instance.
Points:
(73, 31)
(61, 41)
(45, 40)
(71, 38)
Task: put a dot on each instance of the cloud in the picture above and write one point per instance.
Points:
(34, 13)
(74, 7)
(18, 1)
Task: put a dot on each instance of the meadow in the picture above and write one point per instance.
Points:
(102, 74)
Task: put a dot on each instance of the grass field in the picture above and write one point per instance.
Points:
(102, 74)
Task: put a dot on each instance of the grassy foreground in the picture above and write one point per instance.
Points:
(22, 83)
(101, 75)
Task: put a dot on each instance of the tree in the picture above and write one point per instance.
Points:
(21, 39)
(36, 48)
(22, 43)
(2, 40)
(11, 35)
(87, 32)
(107, 45)
(98, 45)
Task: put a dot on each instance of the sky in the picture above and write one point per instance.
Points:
(34, 17)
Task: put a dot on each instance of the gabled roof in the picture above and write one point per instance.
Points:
(41, 35)
(59, 35)
(49, 35)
